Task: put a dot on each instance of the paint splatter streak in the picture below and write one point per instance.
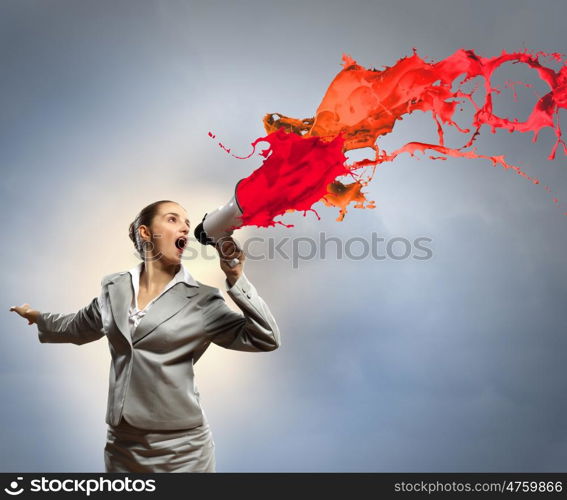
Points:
(305, 157)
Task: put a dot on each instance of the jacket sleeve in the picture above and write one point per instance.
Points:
(255, 330)
(76, 328)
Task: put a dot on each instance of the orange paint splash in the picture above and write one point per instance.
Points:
(305, 157)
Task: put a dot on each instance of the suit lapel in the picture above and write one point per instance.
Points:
(121, 293)
(163, 308)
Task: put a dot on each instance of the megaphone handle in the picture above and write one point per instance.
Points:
(233, 262)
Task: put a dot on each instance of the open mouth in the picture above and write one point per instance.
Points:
(181, 243)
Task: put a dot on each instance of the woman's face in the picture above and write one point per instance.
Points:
(169, 232)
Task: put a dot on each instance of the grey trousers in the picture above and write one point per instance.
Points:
(130, 449)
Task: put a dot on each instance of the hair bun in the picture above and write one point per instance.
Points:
(132, 232)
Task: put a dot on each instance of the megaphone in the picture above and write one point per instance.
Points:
(217, 224)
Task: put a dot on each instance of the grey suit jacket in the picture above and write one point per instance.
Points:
(151, 379)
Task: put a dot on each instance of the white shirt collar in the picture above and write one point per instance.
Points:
(182, 276)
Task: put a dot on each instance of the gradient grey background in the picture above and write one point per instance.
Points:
(456, 363)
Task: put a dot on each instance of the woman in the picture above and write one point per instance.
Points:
(158, 322)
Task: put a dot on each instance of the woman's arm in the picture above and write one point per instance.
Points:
(76, 328)
(254, 330)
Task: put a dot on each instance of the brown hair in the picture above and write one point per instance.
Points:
(144, 218)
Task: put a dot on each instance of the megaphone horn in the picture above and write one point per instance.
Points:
(217, 224)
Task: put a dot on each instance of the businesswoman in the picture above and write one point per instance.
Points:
(159, 321)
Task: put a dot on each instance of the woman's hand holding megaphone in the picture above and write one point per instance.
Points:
(229, 252)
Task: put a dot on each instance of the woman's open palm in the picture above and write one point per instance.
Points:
(25, 311)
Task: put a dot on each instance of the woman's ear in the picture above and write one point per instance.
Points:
(145, 234)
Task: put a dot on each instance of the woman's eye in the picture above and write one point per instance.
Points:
(171, 218)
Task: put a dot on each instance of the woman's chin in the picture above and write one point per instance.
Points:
(171, 259)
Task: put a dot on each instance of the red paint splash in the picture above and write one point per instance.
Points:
(305, 157)
(292, 176)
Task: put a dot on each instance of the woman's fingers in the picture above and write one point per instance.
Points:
(21, 310)
(25, 311)
(228, 249)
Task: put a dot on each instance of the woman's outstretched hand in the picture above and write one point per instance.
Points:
(25, 311)
(228, 249)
